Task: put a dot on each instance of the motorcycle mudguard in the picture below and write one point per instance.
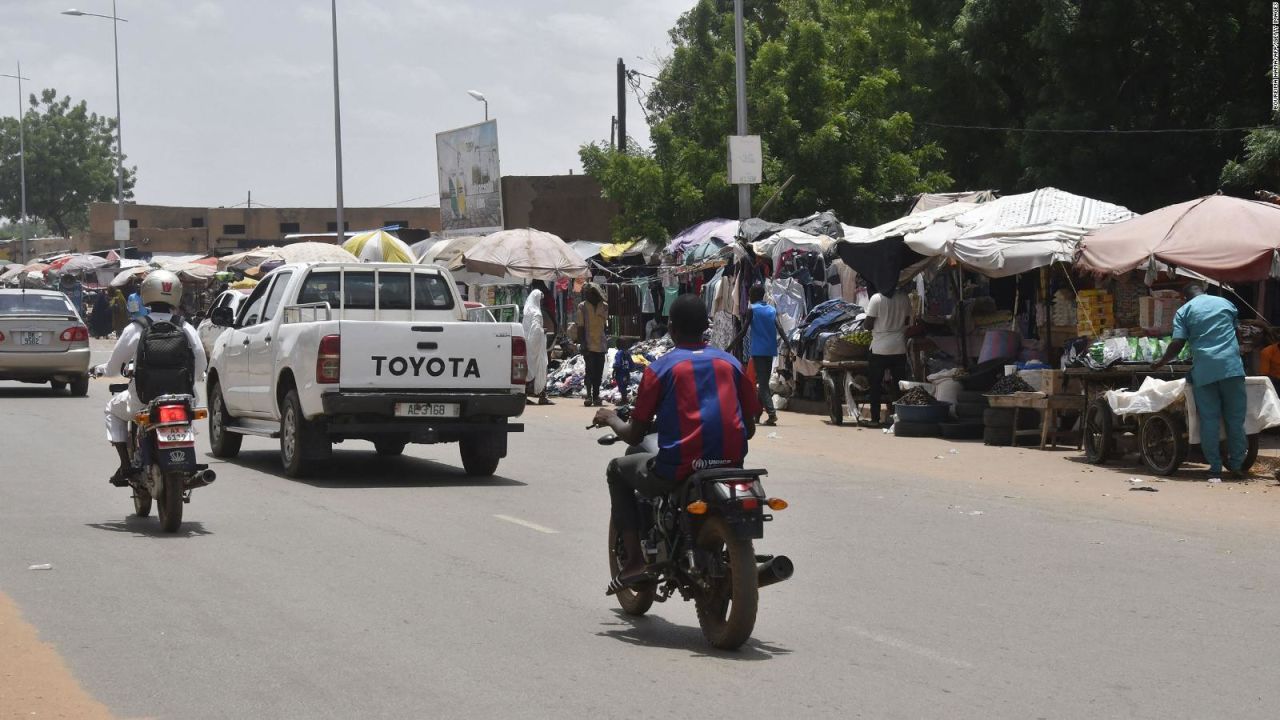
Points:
(179, 459)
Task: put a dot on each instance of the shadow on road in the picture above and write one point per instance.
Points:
(1193, 471)
(150, 527)
(35, 391)
(359, 469)
(653, 631)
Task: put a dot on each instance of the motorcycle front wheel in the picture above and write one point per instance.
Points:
(635, 601)
(727, 611)
(171, 503)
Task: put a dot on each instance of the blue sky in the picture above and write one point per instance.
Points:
(224, 97)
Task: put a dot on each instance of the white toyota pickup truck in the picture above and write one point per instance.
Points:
(327, 352)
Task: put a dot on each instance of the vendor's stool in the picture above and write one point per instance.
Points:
(1049, 407)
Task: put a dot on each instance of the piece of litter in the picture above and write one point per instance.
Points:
(1215, 481)
(1106, 494)
(41, 566)
(953, 451)
(1146, 488)
(976, 512)
(774, 435)
(1159, 480)
(1135, 480)
(937, 457)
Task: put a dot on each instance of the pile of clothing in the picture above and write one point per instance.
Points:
(831, 318)
(569, 379)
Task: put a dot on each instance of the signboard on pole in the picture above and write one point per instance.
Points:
(122, 231)
(470, 180)
(746, 160)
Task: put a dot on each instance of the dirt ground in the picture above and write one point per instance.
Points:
(34, 681)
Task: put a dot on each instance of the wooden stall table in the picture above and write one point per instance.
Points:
(1048, 406)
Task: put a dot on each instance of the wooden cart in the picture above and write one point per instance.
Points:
(1160, 438)
(837, 382)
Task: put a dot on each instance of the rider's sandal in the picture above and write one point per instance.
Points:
(618, 583)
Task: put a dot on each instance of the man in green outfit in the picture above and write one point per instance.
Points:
(1208, 324)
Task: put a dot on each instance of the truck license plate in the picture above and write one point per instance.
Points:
(428, 410)
(32, 338)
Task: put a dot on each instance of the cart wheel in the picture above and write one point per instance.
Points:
(835, 399)
(1098, 440)
(1163, 441)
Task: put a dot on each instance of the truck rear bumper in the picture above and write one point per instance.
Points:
(370, 415)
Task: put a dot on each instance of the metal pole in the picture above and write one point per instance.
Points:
(337, 124)
(115, 38)
(744, 191)
(622, 106)
(486, 110)
(22, 167)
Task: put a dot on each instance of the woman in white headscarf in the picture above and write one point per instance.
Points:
(536, 347)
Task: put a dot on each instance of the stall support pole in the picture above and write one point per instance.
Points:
(1046, 340)
(961, 330)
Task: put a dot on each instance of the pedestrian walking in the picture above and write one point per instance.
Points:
(593, 328)
(887, 319)
(761, 330)
(535, 336)
(1208, 324)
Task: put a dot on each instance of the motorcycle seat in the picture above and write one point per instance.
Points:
(727, 474)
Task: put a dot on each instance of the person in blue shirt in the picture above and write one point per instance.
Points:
(762, 328)
(1208, 324)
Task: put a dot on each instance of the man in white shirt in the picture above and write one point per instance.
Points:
(161, 293)
(887, 319)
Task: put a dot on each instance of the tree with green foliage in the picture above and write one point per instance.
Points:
(1045, 66)
(1260, 167)
(70, 162)
(826, 92)
(636, 183)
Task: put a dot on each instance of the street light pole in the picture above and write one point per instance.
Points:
(337, 125)
(479, 96)
(744, 191)
(115, 19)
(22, 162)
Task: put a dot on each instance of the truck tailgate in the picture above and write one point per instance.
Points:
(437, 356)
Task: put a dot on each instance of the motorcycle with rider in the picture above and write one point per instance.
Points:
(684, 511)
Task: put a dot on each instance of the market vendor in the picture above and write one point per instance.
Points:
(1208, 324)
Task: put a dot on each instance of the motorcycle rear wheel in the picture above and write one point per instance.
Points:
(171, 503)
(635, 601)
(727, 613)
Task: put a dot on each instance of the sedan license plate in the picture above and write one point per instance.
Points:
(31, 338)
(169, 436)
(427, 410)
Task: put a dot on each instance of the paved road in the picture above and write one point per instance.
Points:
(402, 589)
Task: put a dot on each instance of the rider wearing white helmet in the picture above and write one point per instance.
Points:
(161, 294)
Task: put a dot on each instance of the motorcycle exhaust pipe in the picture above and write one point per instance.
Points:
(201, 478)
(774, 571)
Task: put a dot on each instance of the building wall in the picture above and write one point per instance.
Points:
(225, 230)
(570, 206)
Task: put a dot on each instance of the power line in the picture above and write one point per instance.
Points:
(1081, 131)
(412, 199)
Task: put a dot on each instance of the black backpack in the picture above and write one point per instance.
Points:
(165, 363)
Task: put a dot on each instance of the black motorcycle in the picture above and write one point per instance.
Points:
(162, 453)
(698, 541)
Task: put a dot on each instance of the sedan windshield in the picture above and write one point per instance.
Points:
(33, 304)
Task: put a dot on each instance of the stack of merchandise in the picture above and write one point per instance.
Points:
(1095, 312)
(569, 380)
(1155, 313)
(1129, 295)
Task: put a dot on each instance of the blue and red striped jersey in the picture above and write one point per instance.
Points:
(697, 399)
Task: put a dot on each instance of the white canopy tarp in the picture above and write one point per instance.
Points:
(777, 244)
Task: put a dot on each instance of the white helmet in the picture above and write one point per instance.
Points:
(162, 286)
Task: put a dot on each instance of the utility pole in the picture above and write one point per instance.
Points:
(744, 191)
(22, 162)
(337, 126)
(613, 132)
(622, 106)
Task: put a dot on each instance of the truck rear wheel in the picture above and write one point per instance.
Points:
(301, 443)
(481, 453)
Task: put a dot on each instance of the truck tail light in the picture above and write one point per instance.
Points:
(519, 361)
(78, 333)
(329, 360)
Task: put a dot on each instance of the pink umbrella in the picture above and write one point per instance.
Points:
(1223, 238)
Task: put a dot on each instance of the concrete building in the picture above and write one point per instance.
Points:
(160, 228)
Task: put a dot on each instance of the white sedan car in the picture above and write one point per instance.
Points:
(209, 332)
(43, 340)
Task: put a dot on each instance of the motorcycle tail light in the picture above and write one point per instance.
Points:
(78, 333)
(329, 360)
(172, 414)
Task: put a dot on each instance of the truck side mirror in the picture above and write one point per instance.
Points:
(222, 317)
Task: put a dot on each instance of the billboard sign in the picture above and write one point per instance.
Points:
(470, 180)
